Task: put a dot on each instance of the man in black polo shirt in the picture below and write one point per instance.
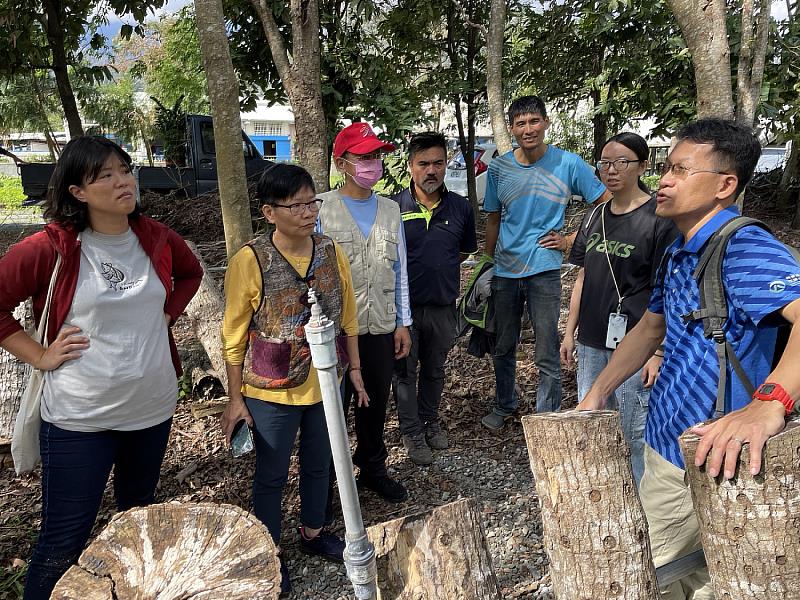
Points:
(440, 230)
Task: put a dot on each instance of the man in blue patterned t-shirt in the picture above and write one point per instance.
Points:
(527, 191)
(703, 175)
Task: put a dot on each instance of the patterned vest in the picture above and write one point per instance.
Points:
(278, 355)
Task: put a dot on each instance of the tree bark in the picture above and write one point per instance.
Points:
(54, 27)
(595, 530)
(13, 377)
(223, 93)
(176, 551)
(494, 74)
(751, 60)
(300, 75)
(704, 30)
(436, 555)
(205, 312)
(750, 526)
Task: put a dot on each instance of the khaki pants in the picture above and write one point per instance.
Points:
(674, 532)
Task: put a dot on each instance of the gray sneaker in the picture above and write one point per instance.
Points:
(418, 450)
(436, 437)
(494, 421)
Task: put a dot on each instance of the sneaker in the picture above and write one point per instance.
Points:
(494, 421)
(383, 485)
(325, 545)
(436, 437)
(286, 583)
(418, 450)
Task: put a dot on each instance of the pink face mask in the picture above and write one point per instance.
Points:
(368, 172)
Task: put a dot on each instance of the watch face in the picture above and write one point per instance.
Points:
(766, 389)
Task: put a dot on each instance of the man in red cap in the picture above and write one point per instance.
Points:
(369, 229)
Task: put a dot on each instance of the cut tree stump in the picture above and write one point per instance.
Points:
(750, 526)
(176, 551)
(205, 313)
(13, 378)
(595, 530)
(435, 555)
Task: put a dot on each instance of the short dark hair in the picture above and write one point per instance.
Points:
(636, 144)
(80, 163)
(283, 181)
(526, 105)
(425, 141)
(734, 145)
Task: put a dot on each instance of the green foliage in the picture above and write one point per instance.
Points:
(115, 108)
(11, 196)
(168, 61)
(170, 125)
(572, 133)
(651, 181)
(12, 581)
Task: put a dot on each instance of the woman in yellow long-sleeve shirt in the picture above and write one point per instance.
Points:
(272, 384)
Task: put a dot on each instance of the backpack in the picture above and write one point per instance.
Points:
(714, 306)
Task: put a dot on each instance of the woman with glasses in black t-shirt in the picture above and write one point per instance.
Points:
(619, 247)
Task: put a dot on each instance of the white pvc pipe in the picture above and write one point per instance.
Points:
(359, 553)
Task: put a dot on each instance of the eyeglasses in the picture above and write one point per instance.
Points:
(681, 172)
(621, 164)
(298, 208)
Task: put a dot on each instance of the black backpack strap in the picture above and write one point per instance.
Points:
(714, 306)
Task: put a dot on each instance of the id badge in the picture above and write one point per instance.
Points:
(617, 327)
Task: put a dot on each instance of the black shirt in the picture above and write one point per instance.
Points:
(635, 241)
(434, 246)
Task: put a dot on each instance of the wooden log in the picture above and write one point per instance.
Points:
(13, 378)
(205, 313)
(176, 551)
(750, 526)
(439, 554)
(206, 385)
(595, 531)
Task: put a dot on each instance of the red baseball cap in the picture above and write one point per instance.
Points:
(359, 138)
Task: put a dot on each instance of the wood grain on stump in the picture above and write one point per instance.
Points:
(595, 531)
(750, 526)
(435, 555)
(205, 313)
(177, 551)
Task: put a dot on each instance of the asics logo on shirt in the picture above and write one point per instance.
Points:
(612, 247)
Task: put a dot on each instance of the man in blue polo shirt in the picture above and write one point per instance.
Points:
(703, 175)
(440, 230)
(527, 192)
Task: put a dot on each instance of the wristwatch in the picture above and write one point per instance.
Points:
(774, 391)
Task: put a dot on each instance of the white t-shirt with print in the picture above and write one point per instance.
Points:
(125, 380)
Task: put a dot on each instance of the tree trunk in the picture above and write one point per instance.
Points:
(750, 526)
(176, 551)
(53, 10)
(435, 555)
(13, 378)
(595, 530)
(751, 60)
(223, 93)
(494, 74)
(599, 127)
(704, 30)
(301, 80)
(205, 313)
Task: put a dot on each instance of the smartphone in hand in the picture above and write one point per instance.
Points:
(242, 439)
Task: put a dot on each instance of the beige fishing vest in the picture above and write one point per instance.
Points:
(371, 259)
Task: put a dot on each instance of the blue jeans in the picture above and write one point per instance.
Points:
(631, 399)
(275, 428)
(75, 470)
(542, 295)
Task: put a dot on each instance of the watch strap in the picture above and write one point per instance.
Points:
(769, 390)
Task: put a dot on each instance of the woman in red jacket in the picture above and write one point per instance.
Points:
(111, 365)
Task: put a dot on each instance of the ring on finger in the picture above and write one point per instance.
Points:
(739, 441)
